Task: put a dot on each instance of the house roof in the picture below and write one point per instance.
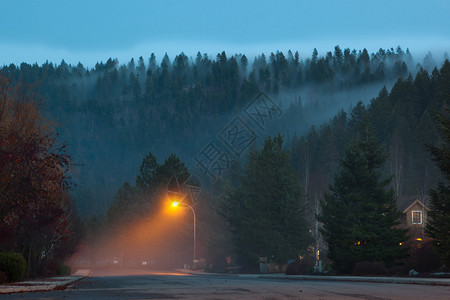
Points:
(414, 203)
(405, 202)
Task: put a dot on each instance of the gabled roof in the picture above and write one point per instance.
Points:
(417, 201)
(404, 201)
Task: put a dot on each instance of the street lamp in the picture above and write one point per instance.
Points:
(176, 203)
(179, 187)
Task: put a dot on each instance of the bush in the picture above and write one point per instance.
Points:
(13, 265)
(63, 270)
(3, 277)
(423, 257)
(369, 268)
(399, 269)
(301, 266)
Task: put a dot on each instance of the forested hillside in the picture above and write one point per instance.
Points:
(112, 115)
(402, 119)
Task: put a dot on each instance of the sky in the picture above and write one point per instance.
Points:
(90, 31)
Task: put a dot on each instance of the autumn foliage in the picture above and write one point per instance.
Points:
(35, 210)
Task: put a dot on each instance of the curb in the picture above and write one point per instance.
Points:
(191, 272)
(53, 283)
(394, 280)
(397, 280)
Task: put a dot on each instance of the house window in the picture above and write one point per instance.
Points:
(416, 217)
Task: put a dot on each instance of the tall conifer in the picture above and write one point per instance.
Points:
(359, 214)
(265, 210)
(438, 226)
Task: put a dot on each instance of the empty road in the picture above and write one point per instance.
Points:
(139, 284)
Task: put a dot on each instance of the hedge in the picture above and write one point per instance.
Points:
(13, 265)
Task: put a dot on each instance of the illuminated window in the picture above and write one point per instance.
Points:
(416, 217)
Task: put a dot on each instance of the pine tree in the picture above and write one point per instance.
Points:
(266, 209)
(147, 176)
(438, 226)
(359, 214)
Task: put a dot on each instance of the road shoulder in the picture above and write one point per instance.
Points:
(47, 284)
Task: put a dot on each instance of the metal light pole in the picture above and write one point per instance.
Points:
(182, 187)
(195, 229)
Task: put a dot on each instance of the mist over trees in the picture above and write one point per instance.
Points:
(113, 114)
(402, 120)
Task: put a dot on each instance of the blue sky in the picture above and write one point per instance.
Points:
(88, 31)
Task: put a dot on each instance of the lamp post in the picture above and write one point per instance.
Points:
(180, 186)
(176, 203)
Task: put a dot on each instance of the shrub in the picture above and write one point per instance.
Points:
(63, 270)
(300, 266)
(423, 257)
(369, 268)
(399, 269)
(13, 265)
(3, 277)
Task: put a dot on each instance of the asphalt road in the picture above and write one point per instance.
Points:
(171, 285)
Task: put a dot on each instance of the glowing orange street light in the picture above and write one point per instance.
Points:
(175, 204)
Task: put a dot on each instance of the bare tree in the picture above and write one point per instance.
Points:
(395, 162)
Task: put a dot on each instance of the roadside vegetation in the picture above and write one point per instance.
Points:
(38, 219)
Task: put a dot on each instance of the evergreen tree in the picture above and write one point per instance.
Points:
(132, 202)
(147, 176)
(438, 226)
(244, 64)
(172, 167)
(359, 214)
(338, 56)
(265, 211)
(134, 85)
(125, 205)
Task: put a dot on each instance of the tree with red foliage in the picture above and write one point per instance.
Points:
(35, 210)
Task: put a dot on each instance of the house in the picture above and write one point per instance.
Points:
(414, 215)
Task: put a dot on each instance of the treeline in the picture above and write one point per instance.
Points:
(112, 113)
